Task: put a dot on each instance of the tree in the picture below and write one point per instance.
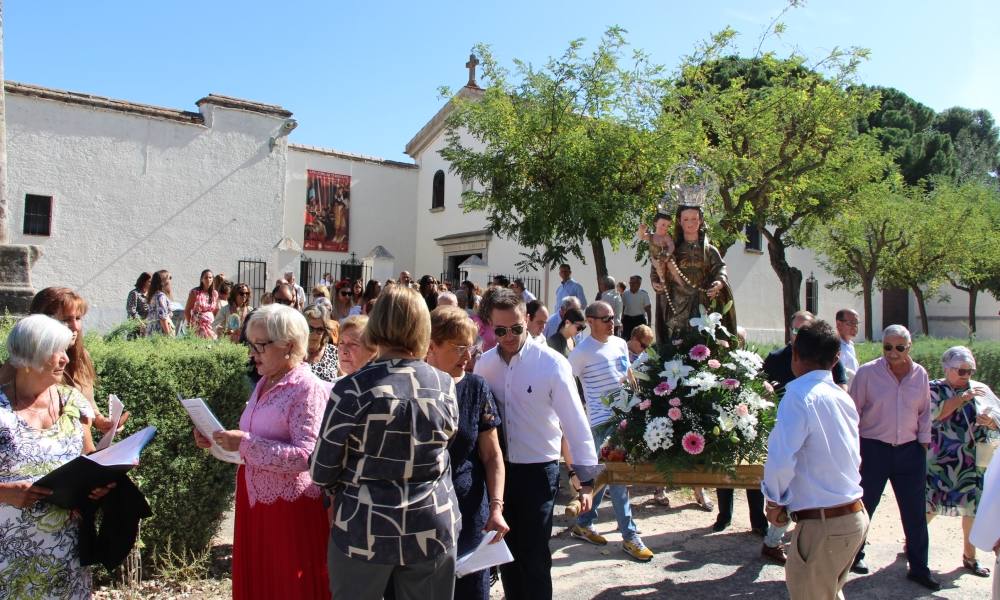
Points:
(782, 139)
(977, 258)
(935, 227)
(976, 140)
(853, 245)
(568, 155)
(904, 128)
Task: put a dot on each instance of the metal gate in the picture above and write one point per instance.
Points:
(312, 271)
(532, 284)
(253, 272)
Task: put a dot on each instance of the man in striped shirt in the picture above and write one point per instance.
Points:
(601, 362)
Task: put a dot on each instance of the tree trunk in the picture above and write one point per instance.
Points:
(922, 307)
(973, 297)
(600, 259)
(791, 281)
(866, 290)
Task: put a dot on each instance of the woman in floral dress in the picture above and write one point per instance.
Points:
(960, 421)
(159, 320)
(41, 427)
(202, 304)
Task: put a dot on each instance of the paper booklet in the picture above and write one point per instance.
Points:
(115, 410)
(72, 482)
(485, 555)
(207, 423)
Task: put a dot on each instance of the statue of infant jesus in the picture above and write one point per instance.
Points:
(661, 251)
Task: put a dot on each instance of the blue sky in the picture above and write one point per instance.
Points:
(363, 76)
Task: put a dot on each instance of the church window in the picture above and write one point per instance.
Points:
(437, 191)
(37, 214)
(753, 239)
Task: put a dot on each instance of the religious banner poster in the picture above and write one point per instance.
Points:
(328, 210)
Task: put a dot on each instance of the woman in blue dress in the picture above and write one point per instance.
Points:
(477, 471)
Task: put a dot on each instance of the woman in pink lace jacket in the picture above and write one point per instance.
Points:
(279, 545)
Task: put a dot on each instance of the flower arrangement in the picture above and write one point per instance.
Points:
(700, 401)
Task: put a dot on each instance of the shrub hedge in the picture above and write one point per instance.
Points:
(188, 490)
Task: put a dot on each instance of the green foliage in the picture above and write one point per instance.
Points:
(928, 351)
(976, 140)
(188, 490)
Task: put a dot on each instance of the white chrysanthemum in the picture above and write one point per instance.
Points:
(754, 401)
(751, 362)
(701, 382)
(659, 434)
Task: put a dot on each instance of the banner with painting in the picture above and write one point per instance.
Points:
(328, 211)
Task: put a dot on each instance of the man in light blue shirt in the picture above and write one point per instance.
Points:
(569, 287)
(847, 329)
(813, 472)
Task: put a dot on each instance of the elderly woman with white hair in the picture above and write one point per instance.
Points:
(965, 417)
(42, 426)
(280, 537)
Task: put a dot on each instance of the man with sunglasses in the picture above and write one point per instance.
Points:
(892, 394)
(601, 362)
(538, 404)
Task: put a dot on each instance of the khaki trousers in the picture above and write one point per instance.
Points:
(820, 555)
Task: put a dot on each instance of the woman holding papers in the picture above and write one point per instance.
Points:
(280, 537)
(964, 424)
(384, 455)
(42, 426)
(476, 463)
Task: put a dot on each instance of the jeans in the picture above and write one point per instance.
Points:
(618, 493)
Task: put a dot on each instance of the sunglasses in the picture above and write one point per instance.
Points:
(316, 330)
(899, 347)
(965, 372)
(242, 293)
(345, 293)
(643, 345)
(284, 301)
(463, 349)
(501, 331)
(580, 326)
(607, 319)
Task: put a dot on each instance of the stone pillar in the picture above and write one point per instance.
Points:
(381, 264)
(15, 277)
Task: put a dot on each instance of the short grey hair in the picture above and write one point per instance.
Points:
(896, 331)
(447, 299)
(34, 339)
(956, 356)
(570, 302)
(284, 324)
(609, 282)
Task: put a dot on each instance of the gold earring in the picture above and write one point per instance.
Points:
(287, 356)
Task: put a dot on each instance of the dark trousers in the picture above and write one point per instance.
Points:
(629, 323)
(529, 497)
(356, 579)
(755, 501)
(906, 467)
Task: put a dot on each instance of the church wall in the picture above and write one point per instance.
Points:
(951, 318)
(133, 193)
(382, 211)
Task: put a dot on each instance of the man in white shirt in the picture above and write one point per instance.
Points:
(300, 294)
(569, 287)
(847, 330)
(538, 403)
(601, 362)
(518, 286)
(636, 307)
(552, 325)
(812, 473)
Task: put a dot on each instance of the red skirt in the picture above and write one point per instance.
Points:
(279, 550)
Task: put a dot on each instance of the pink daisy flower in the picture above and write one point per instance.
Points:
(674, 414)
(645, 404)
(675, 401)
(700, 352)
(713, 364)
(663, 388)
(693, 442)
(730, 383)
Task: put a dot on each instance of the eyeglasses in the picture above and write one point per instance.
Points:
(463, 349)
(899, 347)
(284, 301)
(965, 372)
(316, 330)
(501, 331)
(607, 319)
(259, 347)
(643, 345)
(242, 293)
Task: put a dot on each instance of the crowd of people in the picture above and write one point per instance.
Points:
(393, 424)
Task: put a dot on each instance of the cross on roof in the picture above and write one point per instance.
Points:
(471, 66)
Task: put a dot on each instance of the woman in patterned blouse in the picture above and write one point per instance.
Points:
(136, 306)
(384, 456)
(323, 339)
(160, 316)
(280, 539)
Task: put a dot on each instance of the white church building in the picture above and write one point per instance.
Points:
(110, 188)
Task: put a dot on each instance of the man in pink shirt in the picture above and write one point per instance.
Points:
(892, 395)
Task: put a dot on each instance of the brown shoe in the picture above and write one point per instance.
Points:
(776, 555)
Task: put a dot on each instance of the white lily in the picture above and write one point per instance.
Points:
(709, 322)
(675, 370)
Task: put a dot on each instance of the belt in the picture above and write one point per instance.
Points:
(829, 513)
